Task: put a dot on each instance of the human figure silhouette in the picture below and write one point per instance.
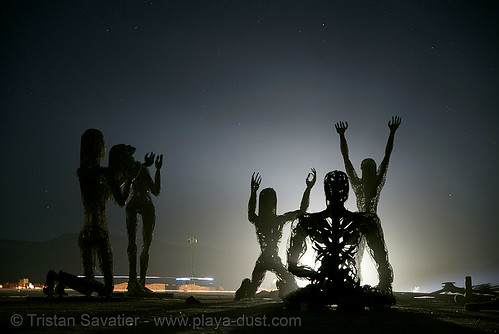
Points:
(335, 234)
(57, 281)
(140, 203)
(268, 226)
(367, 190)
(98, 184)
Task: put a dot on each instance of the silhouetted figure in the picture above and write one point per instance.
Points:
(57, 282)
(268, 226)
(367, 190)
(335, 234)
(98, 184)
(140, 203)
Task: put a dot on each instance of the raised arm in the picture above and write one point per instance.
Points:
(156, 186)
(256, 179)
(292, 215)
(310, 181)
(341, 127)
(393, 126)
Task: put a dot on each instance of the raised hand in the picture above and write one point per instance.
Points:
(394, 123)
(311, 178)
(256, 179)
(341, 127)
(159, 161)
(149, 159)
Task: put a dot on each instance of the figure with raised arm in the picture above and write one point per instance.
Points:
(140, 203)
(335, 234)
(367, 190)
(269, 226)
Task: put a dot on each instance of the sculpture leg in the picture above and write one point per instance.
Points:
(287, 282)
(377, 249)
(359, 256)
(87, 254)
(148, 222)
(49, 286)
(243, 290)
(248, 287)
(131, 227)
(258, 275)
(82, 285)
(105, 255)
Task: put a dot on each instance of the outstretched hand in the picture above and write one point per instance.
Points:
(255, 181)
(149, 159)
(341, 127)
(159, 161)
(311, 178)
(394, 123)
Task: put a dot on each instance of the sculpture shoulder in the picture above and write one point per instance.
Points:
(364, 221)
(310, 220)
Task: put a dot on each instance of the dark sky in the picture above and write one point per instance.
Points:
(227, 88)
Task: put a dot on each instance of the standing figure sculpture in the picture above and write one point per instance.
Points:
(335, 234)
(367, 189)
(98, 184)
(268, 226)
(140, 203)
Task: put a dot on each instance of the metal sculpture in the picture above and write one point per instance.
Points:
(269, 226)
(335, 234)
(367, 190)
(140, 203)
(98, 184)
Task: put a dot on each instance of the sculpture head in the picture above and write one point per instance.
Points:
(368, 167)
(92, 148)
(268, 202)
(336, 187)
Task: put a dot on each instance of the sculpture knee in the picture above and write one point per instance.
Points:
(131, 225)
(132, 249)
(87, 253)
(144, 258)
(148, 223)
(257, 276)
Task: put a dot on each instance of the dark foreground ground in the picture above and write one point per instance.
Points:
(30, 312)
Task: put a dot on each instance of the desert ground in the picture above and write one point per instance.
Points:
(217, 312)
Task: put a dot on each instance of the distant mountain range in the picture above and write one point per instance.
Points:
(25, 259)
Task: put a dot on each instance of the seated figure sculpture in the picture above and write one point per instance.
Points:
(97, 184)
(335, 234)
(268, 226)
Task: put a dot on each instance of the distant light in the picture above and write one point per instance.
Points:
(194, 278)
(126, 276)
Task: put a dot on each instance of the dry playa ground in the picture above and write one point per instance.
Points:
(210, 312)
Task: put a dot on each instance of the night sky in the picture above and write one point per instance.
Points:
(227, 88)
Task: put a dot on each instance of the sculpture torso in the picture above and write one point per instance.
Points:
(95, 192)
(269, 233)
